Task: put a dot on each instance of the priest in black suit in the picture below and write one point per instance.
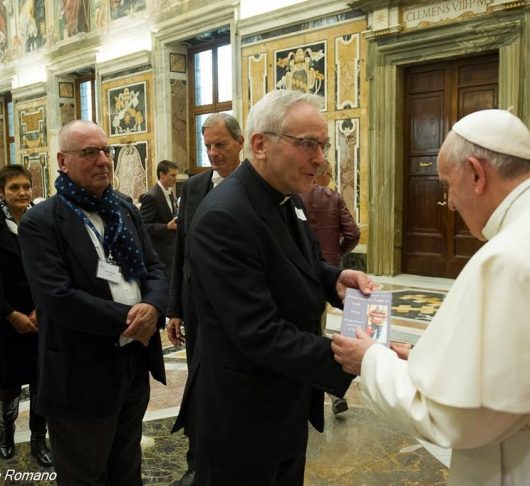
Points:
(158, 208)
(260, 366)
(223, 140)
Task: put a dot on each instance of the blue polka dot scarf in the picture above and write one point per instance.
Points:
(118, 241)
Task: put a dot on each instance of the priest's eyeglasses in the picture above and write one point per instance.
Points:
(92, 153)
(308, 144)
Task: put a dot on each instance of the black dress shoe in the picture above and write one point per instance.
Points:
(339, 405)
(7, 452)
(40, 451)
(188, 479)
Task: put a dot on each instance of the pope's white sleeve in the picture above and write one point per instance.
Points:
(388, 389)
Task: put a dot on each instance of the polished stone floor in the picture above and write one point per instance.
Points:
(356, 449)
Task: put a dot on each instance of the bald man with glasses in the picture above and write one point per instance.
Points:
(260, 366)
(100, 292)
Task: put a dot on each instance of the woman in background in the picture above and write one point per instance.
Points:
(18, 322)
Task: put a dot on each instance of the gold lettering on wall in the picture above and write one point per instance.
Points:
(432, 14)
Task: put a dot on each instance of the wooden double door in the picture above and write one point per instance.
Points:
(436, 241)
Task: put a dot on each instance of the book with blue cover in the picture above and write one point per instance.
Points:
(372, 313)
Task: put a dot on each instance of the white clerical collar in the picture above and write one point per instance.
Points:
(494, 224)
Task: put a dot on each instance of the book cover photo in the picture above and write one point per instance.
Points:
(372, 313)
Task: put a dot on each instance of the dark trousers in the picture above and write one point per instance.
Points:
(104, 451)
(289, 472)
(37, 423)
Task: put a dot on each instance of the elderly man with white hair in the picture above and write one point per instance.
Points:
(466, 384)
(260, 366)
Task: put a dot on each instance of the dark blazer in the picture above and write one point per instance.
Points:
(81, 372)
(18, 352)
(260, 368)
(124, 196)
(194, 191)
(156, 214)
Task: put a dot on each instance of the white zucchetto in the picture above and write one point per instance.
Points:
(496, 130)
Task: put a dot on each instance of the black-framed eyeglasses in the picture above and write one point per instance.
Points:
(308, 144)
(92, 153)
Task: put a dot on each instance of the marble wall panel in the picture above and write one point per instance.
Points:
(130, 163)
(347, 167)
(67, 111)
(179, 123)
(128, 119)
(37, 164)
(257, 77)
(343, 70)
(32, 125)
(347, 69)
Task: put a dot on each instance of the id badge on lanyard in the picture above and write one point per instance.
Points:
(109, 270)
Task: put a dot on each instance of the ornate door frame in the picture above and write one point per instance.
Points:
(507, 32)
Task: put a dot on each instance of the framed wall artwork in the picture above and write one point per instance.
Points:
(177, 62)
(66, 90)
(127, 109)
(302, 68)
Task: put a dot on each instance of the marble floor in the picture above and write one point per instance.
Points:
(356, 448)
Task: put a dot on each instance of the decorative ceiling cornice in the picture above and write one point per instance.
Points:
(368, 6)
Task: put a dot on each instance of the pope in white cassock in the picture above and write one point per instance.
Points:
(466, 383)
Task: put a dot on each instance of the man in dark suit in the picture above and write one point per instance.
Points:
(223, 140)
(260, 366)
(158, 210)
(99, 291)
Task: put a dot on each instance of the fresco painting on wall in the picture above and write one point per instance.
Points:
(32, 127)
(100, 14)
(127, 109)
(302, 68)
(37, 164)
(4, 34)
(32, 24)
(347, 145)
(121, 8)
(130, 175)
(74, 17)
